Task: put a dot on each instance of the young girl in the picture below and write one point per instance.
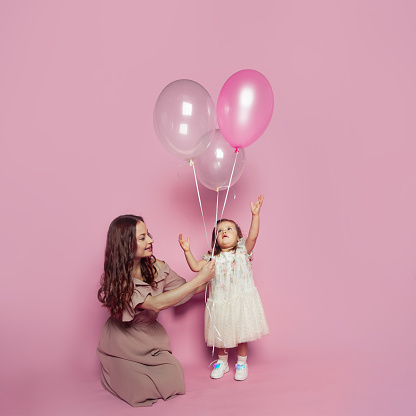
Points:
(234, 313)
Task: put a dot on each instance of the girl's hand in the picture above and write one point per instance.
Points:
(186, 245)
(255, 208)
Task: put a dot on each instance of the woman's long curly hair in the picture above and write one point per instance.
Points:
(217, 248)
(117, 285)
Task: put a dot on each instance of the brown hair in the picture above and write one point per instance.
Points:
(217, 248)
(117, 285)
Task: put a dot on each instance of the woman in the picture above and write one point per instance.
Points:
(136, 362)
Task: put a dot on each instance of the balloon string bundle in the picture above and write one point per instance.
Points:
(229, 183)
(211, 313)
(225, 201)
(191, 163)
(200, 203)
(211, 316)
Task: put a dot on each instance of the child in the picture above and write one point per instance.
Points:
(234, 313)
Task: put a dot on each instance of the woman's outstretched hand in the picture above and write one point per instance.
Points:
(208, 271)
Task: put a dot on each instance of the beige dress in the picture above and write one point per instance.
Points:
(137, 364)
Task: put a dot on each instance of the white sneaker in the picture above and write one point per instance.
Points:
(220, 368)
(241, 371)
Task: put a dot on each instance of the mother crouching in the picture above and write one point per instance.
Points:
(137, 365)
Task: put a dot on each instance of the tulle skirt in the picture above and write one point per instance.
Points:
(233, 321)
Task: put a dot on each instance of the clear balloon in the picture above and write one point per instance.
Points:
(214, 166)
(244, 107)
(184, 118)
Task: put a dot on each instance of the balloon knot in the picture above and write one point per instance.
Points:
(236, 150)
(191, 163)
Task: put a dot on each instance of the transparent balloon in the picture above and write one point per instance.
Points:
(244, 107)
(184, 118)
(213, 168)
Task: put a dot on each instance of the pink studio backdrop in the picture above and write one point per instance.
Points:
(335, 261)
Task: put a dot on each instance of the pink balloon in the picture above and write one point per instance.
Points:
(244, 107)
(214, 166)
(184, 118)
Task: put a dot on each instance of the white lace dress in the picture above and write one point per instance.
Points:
(234, 312)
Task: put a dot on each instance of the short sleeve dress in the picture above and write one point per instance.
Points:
(234, 312)
(137, 365)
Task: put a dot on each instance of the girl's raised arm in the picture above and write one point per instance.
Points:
(255, 224)
(193, 264)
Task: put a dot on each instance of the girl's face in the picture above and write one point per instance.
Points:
(144, 241)
(227, 236)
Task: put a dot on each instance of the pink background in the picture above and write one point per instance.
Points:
(335, 261)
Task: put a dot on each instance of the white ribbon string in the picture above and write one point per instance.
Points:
(216, 219)
(200, 203)
(214, 328)
(229, 183)
(212, 253)
(211, 315)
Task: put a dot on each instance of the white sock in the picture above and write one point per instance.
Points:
(223, 358)
(241, 358)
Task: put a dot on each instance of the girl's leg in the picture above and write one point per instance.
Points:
(223, 354)
(242, 350)
(222, 351)
(241, 370)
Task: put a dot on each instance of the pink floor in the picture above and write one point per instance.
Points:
(296, 384)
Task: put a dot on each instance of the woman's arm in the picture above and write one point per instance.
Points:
(172, 297)
(193, 264)
(201, 288)
(255, 224)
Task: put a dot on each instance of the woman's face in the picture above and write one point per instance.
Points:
(144, 241)
(227, 235)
